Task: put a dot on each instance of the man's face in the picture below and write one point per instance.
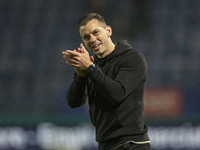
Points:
(96, 37)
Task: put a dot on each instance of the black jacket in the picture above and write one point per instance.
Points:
(115, 91)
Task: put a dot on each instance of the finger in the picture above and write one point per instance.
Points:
(64, 56)
(74, 53)
(91, 58)
(67, 62)
(66, 53)
(80, 50)
(67, 56)
(83, 48)
(73, 63)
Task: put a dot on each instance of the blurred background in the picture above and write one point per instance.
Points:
(34, 77)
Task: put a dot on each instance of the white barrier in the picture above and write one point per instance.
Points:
(49, 136)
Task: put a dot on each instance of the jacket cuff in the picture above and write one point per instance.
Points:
(78, 78)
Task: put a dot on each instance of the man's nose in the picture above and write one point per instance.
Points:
(92, 38)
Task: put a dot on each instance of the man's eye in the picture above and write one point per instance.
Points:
(95, 32)
(86, 37)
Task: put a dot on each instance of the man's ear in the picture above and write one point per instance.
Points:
(109, 31)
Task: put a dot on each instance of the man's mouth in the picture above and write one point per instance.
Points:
(95, 46)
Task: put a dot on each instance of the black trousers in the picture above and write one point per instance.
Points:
(132, 146)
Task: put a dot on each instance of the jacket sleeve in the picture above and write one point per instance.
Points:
(131, 73)
(76, 94)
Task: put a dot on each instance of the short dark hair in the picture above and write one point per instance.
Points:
(89, 16)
